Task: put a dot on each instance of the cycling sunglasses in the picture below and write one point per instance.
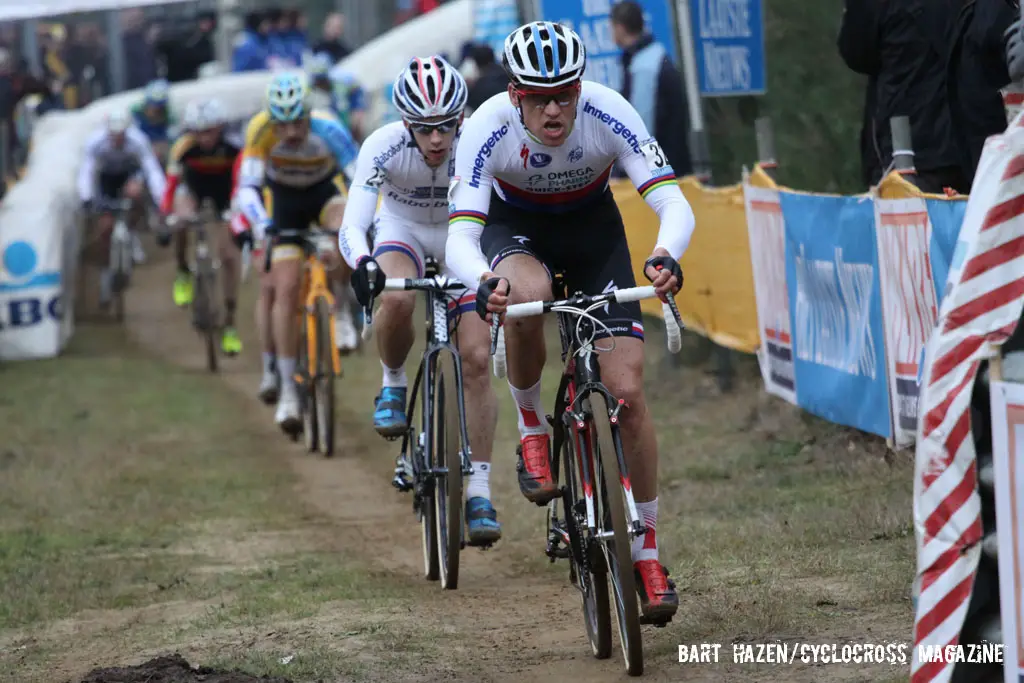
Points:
(538, 99)
(428, 128)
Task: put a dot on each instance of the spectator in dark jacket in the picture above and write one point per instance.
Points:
(185, 51)
(902, 46)
(331, 42)
(490, 80)
(139, 56)
(294, 35)
(977, 71)
(652, 84)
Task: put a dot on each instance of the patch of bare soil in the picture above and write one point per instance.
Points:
(173, 669)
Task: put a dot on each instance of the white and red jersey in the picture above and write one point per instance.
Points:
(497, 152)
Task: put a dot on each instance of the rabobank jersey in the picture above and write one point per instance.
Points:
(392, 169)
(497, 151)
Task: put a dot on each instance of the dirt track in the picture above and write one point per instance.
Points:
(512, 618)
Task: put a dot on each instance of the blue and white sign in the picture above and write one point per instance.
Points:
(590, 19)
(729, 46)
(946, 218)
(835, 306)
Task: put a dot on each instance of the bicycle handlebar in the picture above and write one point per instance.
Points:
(673, 323)
(440, 283)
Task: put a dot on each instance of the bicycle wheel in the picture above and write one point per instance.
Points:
(323, 383)
(120, 262)
(617, 551)
(307, 396)
(423, 484)
(447, 454)
(203, 301)
(587, 565)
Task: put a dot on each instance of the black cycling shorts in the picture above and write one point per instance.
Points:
(296, 208)
(111, 185)
(216, 188)
(588, 246)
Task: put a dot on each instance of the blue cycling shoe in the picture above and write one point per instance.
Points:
(483, 522)
(389, 412)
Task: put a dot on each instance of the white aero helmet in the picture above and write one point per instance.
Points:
(118, 121)
(544, 55)
(212, 114)
(429, 87)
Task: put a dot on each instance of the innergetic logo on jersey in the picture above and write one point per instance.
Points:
(485, 153)
(618, 127)
(576, 155)
(540, 159)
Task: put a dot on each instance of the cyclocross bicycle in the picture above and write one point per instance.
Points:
(205, 300)
(318, 361)
(119, 259)
(435, 458)
(594, 522)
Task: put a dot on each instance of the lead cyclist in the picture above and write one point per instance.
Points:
(530, 195)
(408, 163)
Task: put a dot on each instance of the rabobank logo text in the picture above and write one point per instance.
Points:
(485, 153)
(618, 127)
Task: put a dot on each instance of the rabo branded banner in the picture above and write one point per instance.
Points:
(835, 308)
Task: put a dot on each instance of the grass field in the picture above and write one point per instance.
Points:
(147, 507)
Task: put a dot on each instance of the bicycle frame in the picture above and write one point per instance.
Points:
(315, 284)
(438, 341)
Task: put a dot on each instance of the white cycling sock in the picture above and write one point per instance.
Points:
(393, 377)
(530, 413)
(645, 547)
(269, 362)
(106, 284)
(479, 481)
(286, 370)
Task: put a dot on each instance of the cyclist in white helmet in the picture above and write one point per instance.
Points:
(407, 165)
(116, 160)
(304, 156)
(530, 193)
(201, 161)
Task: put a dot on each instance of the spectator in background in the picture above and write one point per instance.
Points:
(490, 77)
(87, 57)
(296, 43)
(977, 70)
(251, 50)
(652, 84)
(185, 51)
(53, 57)
(139, 55)
(331, 42)
(277, 45)
(902, 47)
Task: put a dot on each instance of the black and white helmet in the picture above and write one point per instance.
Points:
(544, 55)
(429, 87)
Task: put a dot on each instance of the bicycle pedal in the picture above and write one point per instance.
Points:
(401, 484)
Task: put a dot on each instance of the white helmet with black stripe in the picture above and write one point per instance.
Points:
(544, 55)
(429, 87)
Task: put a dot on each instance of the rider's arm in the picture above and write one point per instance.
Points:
(362, 203)
(155, 180)
(87, 171)
(338, 139)
(469, 198)
(251, 172)
(648, 168)
(174, 170)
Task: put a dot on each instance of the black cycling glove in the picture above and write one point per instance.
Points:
(483, 293)
(242, 238)
(365, 285)
(665, 263)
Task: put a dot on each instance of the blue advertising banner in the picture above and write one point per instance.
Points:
(946, 218)
(835, 305)
(729, 46)
(589, 18)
